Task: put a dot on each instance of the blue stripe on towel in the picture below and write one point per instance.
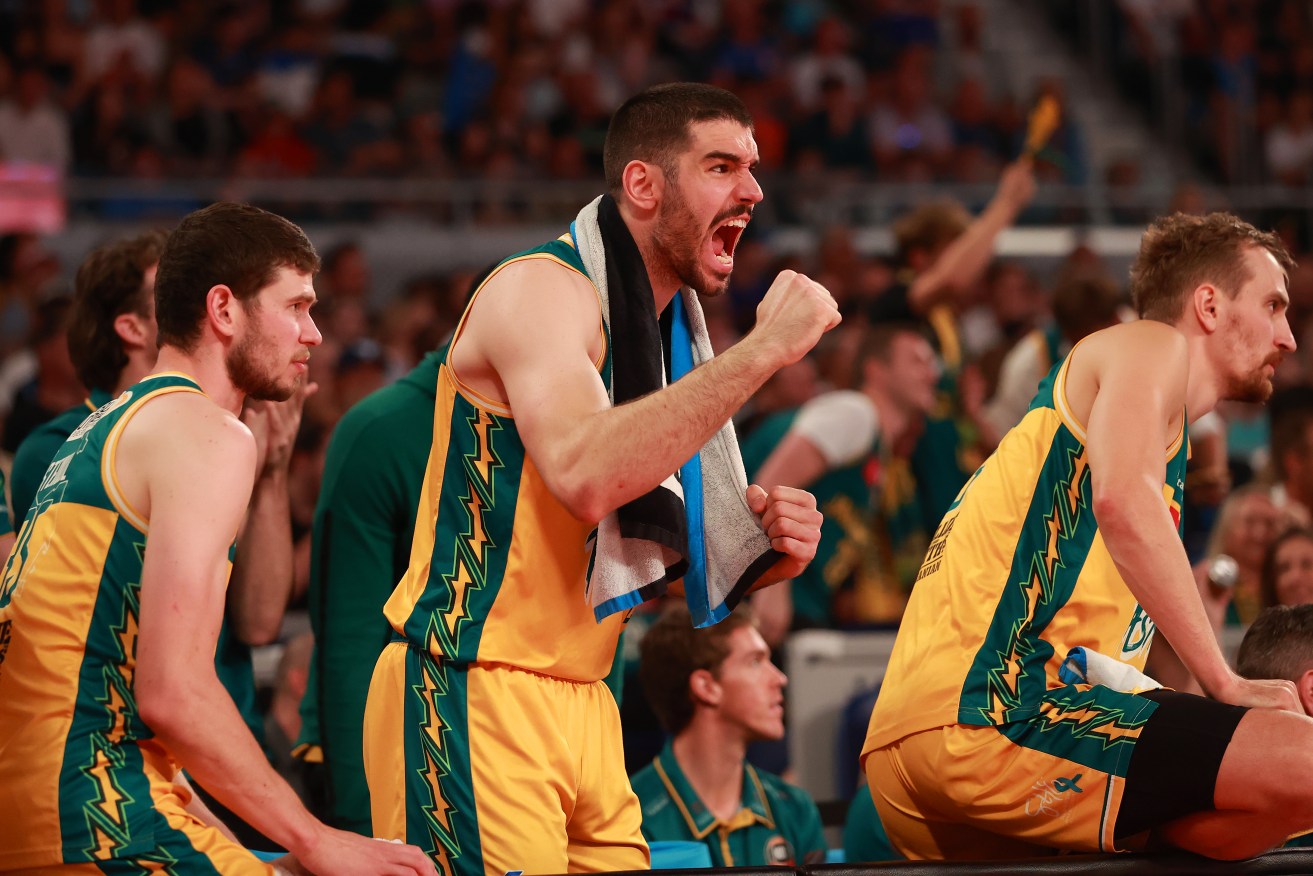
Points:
(690, 478)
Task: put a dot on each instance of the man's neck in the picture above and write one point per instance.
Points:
(893, 420)
(664, 281)
(209, 372)
(712, 761)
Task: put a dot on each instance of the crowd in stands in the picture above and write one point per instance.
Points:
(1230, 80)
(513, 91)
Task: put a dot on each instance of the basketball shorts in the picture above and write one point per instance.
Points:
(1094, 771)
(492, 769)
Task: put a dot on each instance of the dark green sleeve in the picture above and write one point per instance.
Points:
(361, 539)
(30, 464)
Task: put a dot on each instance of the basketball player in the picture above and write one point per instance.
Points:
(489, 735)
(111, 604)
(1068, 535)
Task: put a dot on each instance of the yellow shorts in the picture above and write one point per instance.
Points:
(1056, 781)
(492, 769)
(182, 844)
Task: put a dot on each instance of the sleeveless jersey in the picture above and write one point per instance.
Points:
(1017, 574)
(74, 752)
(498, 565)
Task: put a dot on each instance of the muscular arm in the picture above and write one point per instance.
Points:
(964, 260)
(796, 462)
(1127, 470)
(535, 328)
(193, 480)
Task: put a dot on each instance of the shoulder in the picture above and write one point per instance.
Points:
(1144, 347)
(191, 422)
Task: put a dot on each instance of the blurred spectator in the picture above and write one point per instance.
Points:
(715, 690)
(361, 369)
(282, 722)
(942, 254)
(55, 386)
(911, 126)
(849, 448)
(1291, 414)
(828, 58)
(836, 131)
(1081, 306)
(120, 35)
(192, 134)
(32, 126)
(1289, 144)
(1287, 577)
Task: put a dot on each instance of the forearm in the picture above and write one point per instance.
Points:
(963, 262)
(261, 583)
(1151, 559)
(617, 454)
(201, 727)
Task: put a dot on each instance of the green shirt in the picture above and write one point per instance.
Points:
(363, 526)
(40, 446)
(872, 538)
(864, 838)
(777, 824)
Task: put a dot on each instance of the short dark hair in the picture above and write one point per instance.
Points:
(1180, 252)
(672, 650)
(878, 343)
(235, 245)
(653, 126)
(1278, 644)
(110, 282)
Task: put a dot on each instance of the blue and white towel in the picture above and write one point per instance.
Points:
(1087, 666)
(696, 524)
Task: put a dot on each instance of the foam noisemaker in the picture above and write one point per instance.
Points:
(1043, 122)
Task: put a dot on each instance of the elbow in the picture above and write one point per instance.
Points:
(584, 502)
(254, 631)
(1111, 514)
(157, 705)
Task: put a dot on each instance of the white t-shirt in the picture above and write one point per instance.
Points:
(843, 425)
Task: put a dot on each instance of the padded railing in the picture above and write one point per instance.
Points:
(1282, 862)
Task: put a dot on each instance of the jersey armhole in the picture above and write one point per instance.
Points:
(108, 468)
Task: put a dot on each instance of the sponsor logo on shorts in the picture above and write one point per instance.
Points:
(1051, 798)
(1061, 784)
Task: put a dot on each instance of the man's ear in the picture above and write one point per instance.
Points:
(1304, 686)
(703, 688)
(1204, 302)
(128, 326)
(220, 308)
(644, 184)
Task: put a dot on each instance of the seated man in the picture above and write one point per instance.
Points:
(112, 599)
(715, 690)
(1069, 535)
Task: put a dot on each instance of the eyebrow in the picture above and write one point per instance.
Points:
(730, 156)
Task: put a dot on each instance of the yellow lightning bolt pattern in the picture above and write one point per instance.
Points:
(436, 764)
(1003, 687)
(483, 459)
(1096, 721)
(110, 802)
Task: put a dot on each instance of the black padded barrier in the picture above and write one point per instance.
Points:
(1282, 862)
